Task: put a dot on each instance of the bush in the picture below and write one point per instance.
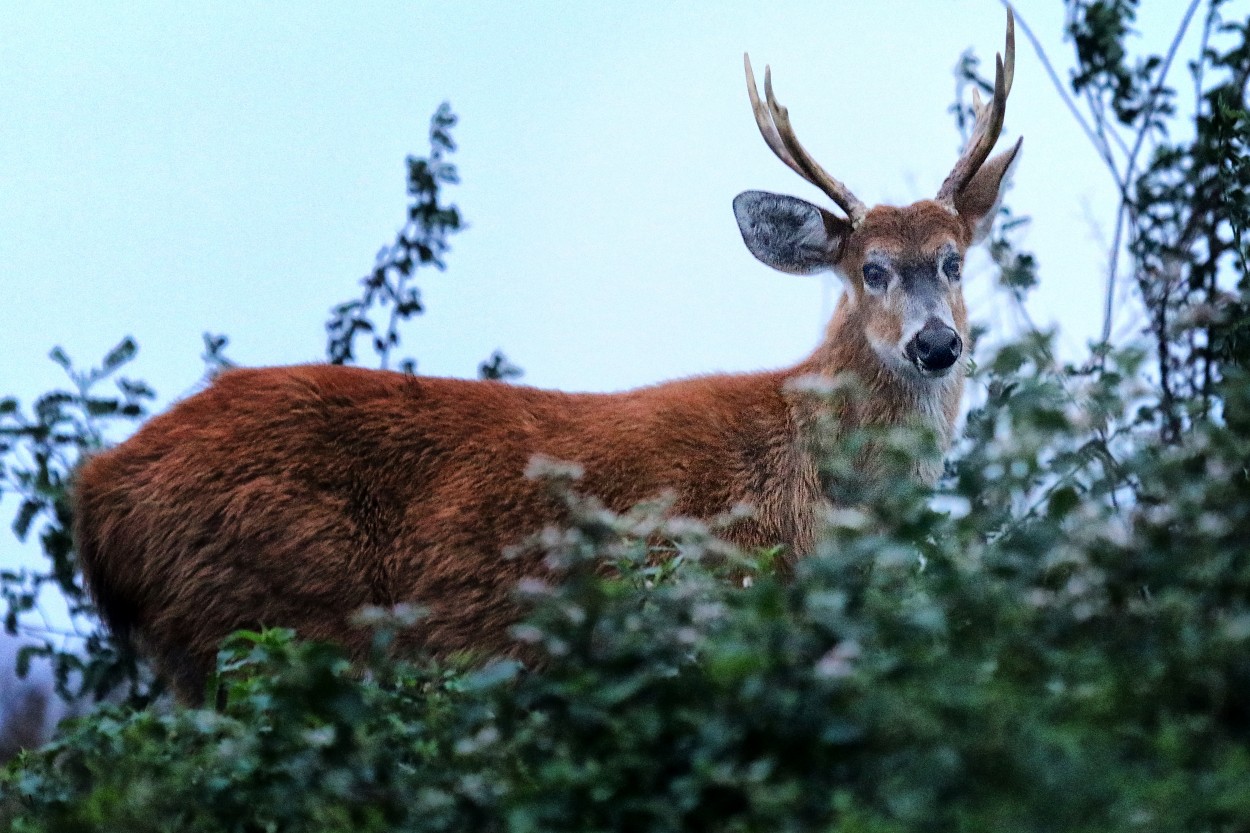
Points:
(1076, 663)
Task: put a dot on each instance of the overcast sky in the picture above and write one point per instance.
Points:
(169, 169)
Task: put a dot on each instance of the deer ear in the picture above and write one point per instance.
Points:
(789, 234)
(977, 204)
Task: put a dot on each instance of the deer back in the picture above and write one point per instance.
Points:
(294, 496)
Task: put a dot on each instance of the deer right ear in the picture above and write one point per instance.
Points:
(789, 234)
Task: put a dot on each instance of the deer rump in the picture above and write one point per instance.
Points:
(294, 496)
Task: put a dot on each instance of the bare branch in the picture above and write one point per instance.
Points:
(1101, 147)
(1125, 203)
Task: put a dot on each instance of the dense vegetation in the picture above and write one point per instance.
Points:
(1057, 637)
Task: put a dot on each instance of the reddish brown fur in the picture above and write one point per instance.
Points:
(293, 496)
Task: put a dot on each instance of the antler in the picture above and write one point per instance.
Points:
(774, 123)
(988, 124)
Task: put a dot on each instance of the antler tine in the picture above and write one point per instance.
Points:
(988, 124)
(1010, 49)
(773, 120)
(764, 121)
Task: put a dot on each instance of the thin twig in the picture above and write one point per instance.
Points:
(1100, 124)
(1104, 153)
(1202, 50)
(392, 327)
(1158, 87)
(1125, 202)
(1108, 307)
(46, 631)
(1119, 141)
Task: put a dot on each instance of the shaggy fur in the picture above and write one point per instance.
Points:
(293, 496)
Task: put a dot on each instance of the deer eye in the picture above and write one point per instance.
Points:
(951, 266)
(875, 276)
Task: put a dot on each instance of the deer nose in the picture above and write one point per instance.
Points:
(935, 347)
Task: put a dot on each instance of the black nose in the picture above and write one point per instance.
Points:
(935, 347)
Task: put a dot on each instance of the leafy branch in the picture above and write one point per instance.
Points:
(388, 297)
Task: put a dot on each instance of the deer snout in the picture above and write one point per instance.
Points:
(935, 348)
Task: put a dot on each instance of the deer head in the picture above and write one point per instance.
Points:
(901, 265)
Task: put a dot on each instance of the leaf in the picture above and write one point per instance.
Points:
(101, 407)
(24, 656)
(498, 367)
(58, 355)
(119, 355)
(1063, 500)
(25, 516)
(135, 389)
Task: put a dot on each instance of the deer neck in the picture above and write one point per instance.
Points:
(885, 397)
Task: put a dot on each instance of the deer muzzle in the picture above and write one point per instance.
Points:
(935, 348)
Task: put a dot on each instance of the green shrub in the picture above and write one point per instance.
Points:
(1079, 662)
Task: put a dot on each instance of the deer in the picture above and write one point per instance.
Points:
(293, 496)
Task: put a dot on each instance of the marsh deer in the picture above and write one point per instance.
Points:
(293, 496)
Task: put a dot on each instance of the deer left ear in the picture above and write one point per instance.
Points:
(978, 202)
(789, 234)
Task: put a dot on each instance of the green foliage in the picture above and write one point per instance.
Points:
(1184, 207)
(39, 450)
(388, 298)
(1032, 651)
(498, 368)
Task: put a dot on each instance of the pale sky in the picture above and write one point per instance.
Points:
(168, 169)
